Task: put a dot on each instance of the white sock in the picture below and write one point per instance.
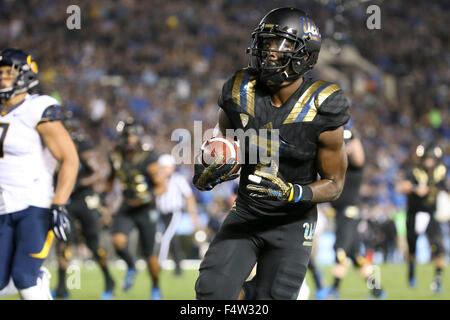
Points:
(41, 291)
(33, 293)
(9, 290)
(44, 282)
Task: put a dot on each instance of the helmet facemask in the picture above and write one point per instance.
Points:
(129, 135)
(276, 58)
(25, 76)
(298, 46)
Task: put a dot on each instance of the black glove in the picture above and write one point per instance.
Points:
(206, 178)
(271, 186)
(60, 222)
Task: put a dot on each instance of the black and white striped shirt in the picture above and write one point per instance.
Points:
(173, 200)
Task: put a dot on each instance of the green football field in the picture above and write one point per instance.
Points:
(393, 279)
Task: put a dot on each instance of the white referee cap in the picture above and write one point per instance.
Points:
(166, 160)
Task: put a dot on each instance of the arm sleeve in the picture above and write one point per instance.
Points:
(226, 94)
(442, 181)
(235, 82)
(51, 113)
(334, 111)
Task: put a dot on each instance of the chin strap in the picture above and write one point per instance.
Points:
(277, 78)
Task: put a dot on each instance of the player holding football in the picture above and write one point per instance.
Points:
(273, 220)
(32, 141)
(139, 174)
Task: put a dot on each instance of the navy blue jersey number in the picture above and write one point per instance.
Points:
(3, 130)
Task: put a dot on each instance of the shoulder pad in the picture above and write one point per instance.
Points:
(439, 173)
(43, 101)
(41, 108)
(332, 100)
(312, 101)
(51, 113)
(239, 91)
(332, 106)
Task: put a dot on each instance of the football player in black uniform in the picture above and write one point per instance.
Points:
(347, 216)
(422, 182)
(139, 174)
(273, 219)
(84, 206)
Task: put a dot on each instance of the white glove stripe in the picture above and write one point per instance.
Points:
(254, 178)
(63, 234)
(55, 230)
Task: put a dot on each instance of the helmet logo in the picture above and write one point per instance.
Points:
(310, 29)
(32, 64)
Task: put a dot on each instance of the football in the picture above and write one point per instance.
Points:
(217, 146)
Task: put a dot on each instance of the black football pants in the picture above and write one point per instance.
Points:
(280, 245)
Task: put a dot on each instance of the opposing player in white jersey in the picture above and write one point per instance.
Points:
(32, 141)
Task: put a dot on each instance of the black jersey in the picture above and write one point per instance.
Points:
(350, 195)
(315, 107)
(84, 170)
(434, 179)
(137, 185)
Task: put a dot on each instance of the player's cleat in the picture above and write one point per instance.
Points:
(107, 295)
(332, 294)
(60, 294)
(156, 294)
(436, 286)
(412, 282)
(109, 292)
(322, 294)
(379, 294)
(129, 279)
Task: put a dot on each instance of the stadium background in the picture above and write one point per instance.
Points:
(164, 62)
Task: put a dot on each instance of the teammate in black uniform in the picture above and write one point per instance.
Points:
(84, 205)
(272, 222)
(348, 244)
(423, 180)
(138, 171)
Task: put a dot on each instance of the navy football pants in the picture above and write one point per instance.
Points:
(25, 241)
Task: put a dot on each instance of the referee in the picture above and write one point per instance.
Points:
(170, 204)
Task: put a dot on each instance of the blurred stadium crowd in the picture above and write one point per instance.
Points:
(164, 62)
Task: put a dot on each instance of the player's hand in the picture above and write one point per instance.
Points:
(206, 178)
(422, 190)
(271, 186)
(60, 222)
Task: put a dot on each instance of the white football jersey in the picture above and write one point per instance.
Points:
(26, 165)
